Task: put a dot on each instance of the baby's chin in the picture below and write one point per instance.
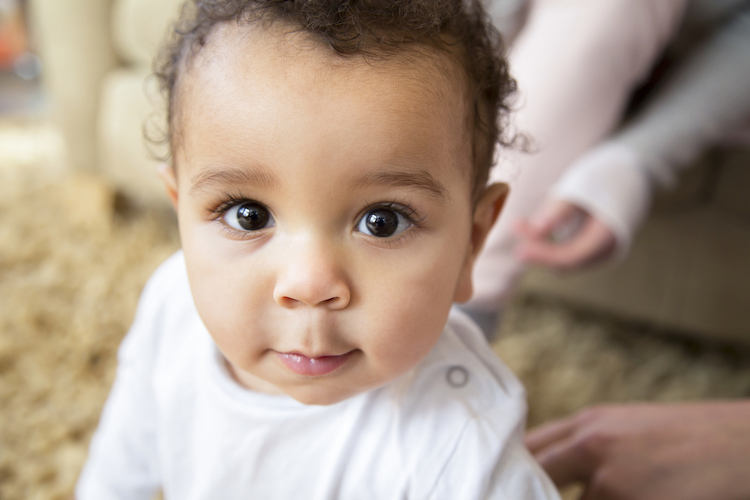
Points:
(320, 391)
(320, 400)
(326, 394)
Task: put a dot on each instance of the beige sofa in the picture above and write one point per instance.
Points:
(690, 266)
(97, 55)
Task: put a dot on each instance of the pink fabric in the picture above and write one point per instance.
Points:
(576, 62)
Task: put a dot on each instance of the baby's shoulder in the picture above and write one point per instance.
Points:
(460, 405)
(167, 291)
(462, 375)
(165, 306)
(169, 278)
(459, 383)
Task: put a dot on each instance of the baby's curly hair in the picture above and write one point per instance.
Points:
(370, 28)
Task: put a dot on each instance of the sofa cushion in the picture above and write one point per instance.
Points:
(127, 158)
(139, 27)
(688, 271)
(734, 183)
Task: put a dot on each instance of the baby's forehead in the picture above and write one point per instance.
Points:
(235, 58)
(232, 46)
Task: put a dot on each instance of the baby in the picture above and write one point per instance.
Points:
(330, 161)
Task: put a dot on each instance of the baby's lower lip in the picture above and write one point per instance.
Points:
(312, 367)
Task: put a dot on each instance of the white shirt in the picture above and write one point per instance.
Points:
(450, 429)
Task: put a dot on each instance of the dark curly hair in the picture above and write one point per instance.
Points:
(370, 28)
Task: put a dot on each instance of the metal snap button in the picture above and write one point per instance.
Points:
(457, 376)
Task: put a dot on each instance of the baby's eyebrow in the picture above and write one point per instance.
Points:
(211, 177)
(420, 179)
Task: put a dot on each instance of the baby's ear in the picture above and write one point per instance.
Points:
(168, 176)
(485, 214)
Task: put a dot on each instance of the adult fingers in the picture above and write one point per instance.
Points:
(593, 242)
(544, 435)
(567, 462)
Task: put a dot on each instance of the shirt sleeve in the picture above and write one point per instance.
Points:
(705, 99)
(122, 462)
(489, 463)
(611, 184)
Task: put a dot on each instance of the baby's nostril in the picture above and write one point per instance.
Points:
(288, 301)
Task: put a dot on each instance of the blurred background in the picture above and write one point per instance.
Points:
(84, 223)
(77, 239)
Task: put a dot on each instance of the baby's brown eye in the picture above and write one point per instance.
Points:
(383, 223)
(248, 217)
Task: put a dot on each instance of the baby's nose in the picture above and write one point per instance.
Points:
(312, 277)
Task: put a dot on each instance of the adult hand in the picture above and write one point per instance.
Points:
(695, 451)
(563, 236)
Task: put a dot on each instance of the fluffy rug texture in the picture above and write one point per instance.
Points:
(74, 256)
(73, 259)
(569, 359)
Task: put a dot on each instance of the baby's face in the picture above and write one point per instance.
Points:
(324, 209)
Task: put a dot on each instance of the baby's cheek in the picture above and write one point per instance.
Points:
(405, 335)
(221, 311)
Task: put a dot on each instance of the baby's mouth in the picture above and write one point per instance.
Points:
(313, 367)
